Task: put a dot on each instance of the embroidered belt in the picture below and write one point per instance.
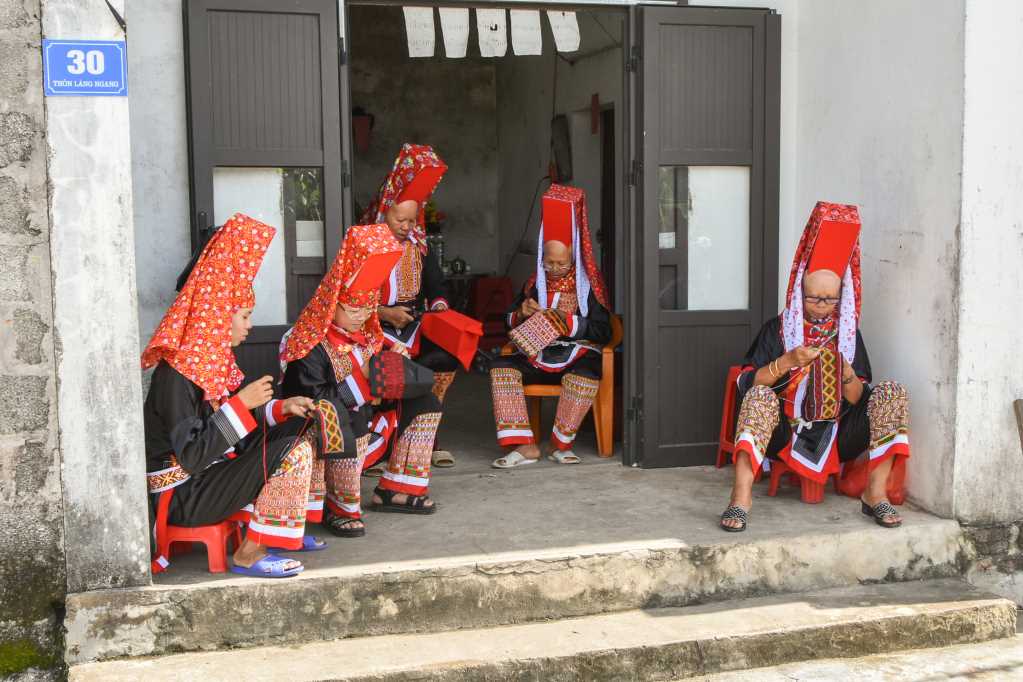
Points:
(168, 478)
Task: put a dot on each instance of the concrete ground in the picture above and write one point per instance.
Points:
(546, 506)
(1000, 660)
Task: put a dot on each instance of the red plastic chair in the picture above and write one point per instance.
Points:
(810, 492)
(216, 536)
(726, 437)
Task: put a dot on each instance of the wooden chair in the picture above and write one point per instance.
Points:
(603, 403)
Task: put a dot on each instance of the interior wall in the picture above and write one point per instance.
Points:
(880, 115)
(450, 104)
(525, 86)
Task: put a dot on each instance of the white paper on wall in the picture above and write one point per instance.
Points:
(454, 24)
(492, 28)
(565, 28)
(420, 31)
(525, 30)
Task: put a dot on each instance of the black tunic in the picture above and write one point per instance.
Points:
(853, 435)
(592, 333)
(179, 422)
(432, 288)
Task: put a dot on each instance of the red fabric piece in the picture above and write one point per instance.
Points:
(194, 336)
(456, 333)
(366, 257)
(415, 175)
(835, 242)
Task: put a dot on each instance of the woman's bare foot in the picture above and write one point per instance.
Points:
(250, 552)
(742, 490)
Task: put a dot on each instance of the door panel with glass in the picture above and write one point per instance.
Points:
(265, 134)
(705, 231)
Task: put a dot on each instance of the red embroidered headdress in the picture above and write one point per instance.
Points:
(830, 241)
(367, 256)
(194, 336)
(564, 219)
(416, 173)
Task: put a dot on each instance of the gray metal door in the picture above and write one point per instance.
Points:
(267, 84)
(707, 120)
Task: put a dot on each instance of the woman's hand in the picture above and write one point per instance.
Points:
(298, 406)
(528, 308)
(803, 355)
(258, 393)
(397, 316)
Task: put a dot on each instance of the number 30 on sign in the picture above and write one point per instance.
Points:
(85, 67)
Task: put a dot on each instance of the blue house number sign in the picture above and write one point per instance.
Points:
(85, 67)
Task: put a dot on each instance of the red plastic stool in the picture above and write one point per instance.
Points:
(855, 475)
(726, 437)
(810, 492)
(216, 536)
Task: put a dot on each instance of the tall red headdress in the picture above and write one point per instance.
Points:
(830, 241)
(416, 173)
(564, 219)
(366, 258)
(194, 336)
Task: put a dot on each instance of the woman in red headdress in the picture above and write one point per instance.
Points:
(416, 284)
(559, 323)
(805, 385)
(204, 444)
(365, 395)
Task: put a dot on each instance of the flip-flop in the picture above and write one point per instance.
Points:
(442, 459)
(511, 460)
(563, 457)
(270, 566)
(309, 544)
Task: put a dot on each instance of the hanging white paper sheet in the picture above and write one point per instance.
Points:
(420, 31)
(454, 24)
(565, 28)
(492, 28)
(525, 30)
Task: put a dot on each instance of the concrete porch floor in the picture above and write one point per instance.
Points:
(598, 505)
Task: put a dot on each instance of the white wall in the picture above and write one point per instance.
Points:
(988, 464)
(159, 154)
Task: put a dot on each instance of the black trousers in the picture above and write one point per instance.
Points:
(588, 365)
(224, 488)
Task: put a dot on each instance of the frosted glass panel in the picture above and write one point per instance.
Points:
(718, 237)
(704, 237)
(257, 192)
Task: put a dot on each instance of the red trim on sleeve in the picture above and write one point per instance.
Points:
(277, 412)
(242, 412)
(359, 377)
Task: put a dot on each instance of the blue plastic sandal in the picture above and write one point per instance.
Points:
(309, 544)
(270, 566)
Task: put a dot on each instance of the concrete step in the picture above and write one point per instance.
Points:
(493, 589)
(654, 644)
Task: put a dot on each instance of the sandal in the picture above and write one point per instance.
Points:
(373, 472)
(735, 512)
(309, 544)
(411, 505)
(882, 511)
(563, 457)
(442, 459)
(344, 527)
(511, 460)
(270, 566)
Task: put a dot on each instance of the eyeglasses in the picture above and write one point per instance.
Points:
(556, 267)
(817, 300)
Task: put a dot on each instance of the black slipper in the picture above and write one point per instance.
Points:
(881, 511)
(735, 512)
(342, 526)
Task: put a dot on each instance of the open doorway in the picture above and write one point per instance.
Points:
(506, 127)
